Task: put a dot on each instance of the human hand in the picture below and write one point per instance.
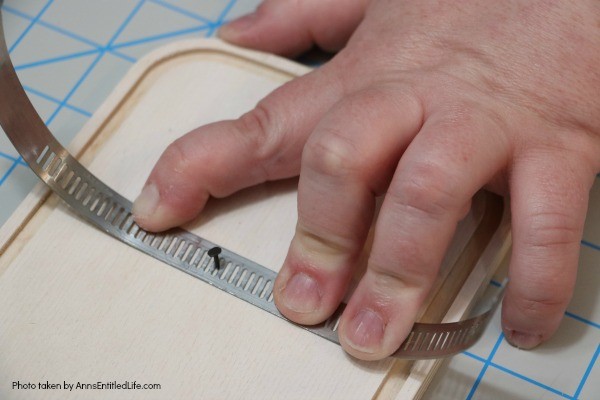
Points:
(427, 102)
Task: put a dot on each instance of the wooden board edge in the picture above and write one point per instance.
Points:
(492, 258)
(496, 221)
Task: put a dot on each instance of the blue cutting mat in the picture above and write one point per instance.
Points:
(70, 54)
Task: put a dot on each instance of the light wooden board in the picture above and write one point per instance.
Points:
(77, 305)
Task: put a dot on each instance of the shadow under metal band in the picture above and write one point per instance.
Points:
(109, 211)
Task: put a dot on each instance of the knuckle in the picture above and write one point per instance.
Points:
(548, 229)
(392, 279)
(427, 190)
(331, 153)
(329, 244)
(258, 130)
(256, 122)
(415, 268)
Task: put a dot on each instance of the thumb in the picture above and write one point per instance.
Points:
(290, 27)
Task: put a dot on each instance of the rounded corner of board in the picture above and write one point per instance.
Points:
(184, 47)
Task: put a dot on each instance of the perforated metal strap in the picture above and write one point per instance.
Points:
(109, 211)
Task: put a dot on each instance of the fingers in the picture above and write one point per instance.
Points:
(441, 170)
(222, 158)
(290, 27)
(549, 192)
(349, 158)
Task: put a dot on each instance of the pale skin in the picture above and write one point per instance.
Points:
(426, 102)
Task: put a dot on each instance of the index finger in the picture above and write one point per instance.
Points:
(222, 158)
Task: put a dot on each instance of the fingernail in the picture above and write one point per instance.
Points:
(147, 202)
(238, 25)
(522, 340)
(301, 294)
(365, 331)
